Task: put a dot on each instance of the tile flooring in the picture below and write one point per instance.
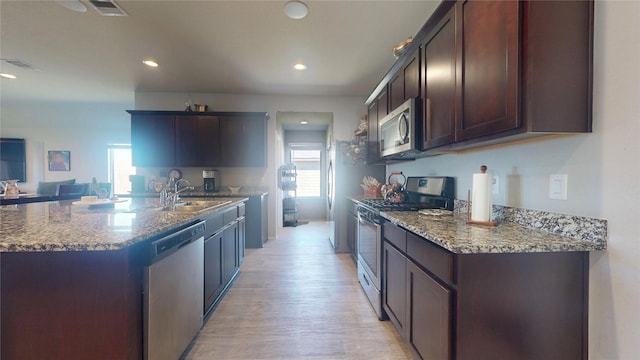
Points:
(296, 299)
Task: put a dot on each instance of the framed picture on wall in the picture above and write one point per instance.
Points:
(59, 160)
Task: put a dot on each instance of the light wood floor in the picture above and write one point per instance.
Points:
(296, 299)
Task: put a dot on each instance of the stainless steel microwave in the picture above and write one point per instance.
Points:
(396, 131)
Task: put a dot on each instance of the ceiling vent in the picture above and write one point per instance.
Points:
(19, 63)
(107, 8)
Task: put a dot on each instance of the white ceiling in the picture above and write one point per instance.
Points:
(236, 47)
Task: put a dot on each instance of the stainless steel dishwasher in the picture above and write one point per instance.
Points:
(173, 293)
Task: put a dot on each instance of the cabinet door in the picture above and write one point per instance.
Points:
(394, 287)
(406, 84)
(373, 149)
(153, 140)
(212, 269)
(439, 84)
(230, 252)
(411, 75)
(429, 309)
(243, 141)
(488, 67)
(383, 104)
(396, 91)
(197, 141)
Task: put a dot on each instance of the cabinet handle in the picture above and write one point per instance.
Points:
(403, 121)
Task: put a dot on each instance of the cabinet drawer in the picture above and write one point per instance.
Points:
(230, 215)
(213, 223)
(431, 257)
(395, 235)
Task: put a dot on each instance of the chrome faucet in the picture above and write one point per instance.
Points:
(176, 192)
(169, 196)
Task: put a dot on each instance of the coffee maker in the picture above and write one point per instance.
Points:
(211, 183)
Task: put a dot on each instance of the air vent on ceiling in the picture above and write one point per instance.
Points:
(107, 8)
(19, 63)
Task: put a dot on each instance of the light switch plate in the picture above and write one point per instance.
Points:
(495, 185)
(558, 186)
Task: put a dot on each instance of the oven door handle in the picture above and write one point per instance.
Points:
(363, 220)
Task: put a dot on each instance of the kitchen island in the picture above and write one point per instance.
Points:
(257, 211)
(71, 277)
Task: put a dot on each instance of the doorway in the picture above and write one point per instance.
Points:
(304, 144)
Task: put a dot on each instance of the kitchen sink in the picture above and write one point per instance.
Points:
(186, 206)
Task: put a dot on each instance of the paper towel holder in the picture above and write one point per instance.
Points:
(473, 222)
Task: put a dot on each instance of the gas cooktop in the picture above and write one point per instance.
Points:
(425, 192)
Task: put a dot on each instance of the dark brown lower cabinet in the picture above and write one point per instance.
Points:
(485, 306)
(212, 270)
(394, 299)
(223, 254)
(429, 315)
(230, 256)
(71, 305)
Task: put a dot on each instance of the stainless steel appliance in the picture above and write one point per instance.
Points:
(426, 192)
(397, 131)
(345, 170)
(173, 293)
(210, 181)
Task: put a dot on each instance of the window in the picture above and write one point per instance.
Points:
(120, 168)
(308, 161)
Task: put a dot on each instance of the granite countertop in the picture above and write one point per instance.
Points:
(203, 194)
(62, 226)
(454, 234)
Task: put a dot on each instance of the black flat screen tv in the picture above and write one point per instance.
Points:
(13, 159)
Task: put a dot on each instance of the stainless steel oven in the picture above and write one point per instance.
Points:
(370, 257)
(424, 192)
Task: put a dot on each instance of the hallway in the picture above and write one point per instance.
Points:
(296, 299)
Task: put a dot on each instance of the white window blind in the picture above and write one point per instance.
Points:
(309, 178)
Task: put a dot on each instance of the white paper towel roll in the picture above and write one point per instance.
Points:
(481, 197)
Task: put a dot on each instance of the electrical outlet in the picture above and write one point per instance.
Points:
(495, 185)
(558, 186)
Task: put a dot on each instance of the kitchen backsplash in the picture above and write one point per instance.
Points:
(576, 227)
(226, 176)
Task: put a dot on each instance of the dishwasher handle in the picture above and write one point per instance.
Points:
(177, 240)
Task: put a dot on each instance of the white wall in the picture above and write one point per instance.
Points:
(84, 129)
(347, 112)
(604, 179)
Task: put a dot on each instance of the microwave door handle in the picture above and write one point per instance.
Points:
(403, 121)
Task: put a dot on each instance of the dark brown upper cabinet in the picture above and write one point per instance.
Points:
(243, 140)
(376, 110)
(406, 84)
(197, 141)
(439, 83)
(502, 70)
(177, 138)
(488, 68)
(373, 150)
(153, 140)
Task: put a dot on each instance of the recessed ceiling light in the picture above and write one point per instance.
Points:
(296, 9)
(150, 63)
(8, 76)
(300, 66)
(304, 122)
